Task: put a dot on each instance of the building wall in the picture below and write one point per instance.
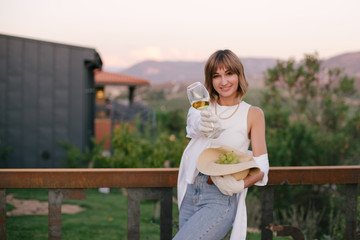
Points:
(45, 96)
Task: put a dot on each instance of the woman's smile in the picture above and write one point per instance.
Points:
(225, 88)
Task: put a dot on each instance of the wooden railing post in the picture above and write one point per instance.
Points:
(267, 217)
(166, 214)
(55, 200)
(351, 211)
(134, 197)
(133, 214)
(54, 217)
(3, 214)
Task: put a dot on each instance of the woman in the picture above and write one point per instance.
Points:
(206, 210)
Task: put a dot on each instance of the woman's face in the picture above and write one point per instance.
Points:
(225, 83)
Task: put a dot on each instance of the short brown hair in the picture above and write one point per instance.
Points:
(228, 60)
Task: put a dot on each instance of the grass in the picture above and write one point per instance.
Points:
(105, 217)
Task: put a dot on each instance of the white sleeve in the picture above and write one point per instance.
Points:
(263, 163)
(192, 124)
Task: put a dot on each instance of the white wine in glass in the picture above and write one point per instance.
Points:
(200, 105)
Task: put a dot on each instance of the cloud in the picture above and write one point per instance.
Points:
(114, 61)
(151, 52)
(163, 54)
(187, 55)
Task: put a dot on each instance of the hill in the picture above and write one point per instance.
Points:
(350, 62)
(159, 72)
(166, 71)
(184, 72)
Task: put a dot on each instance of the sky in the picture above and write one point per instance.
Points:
(126, 32)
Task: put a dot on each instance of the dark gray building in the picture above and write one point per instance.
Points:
(46, 96)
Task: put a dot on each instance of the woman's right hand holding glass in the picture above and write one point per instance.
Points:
(209, 124)
(199, 98)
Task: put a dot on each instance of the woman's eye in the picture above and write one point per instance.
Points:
(229, 73)
(215, 76)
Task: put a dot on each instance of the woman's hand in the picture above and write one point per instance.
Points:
(208, 123)
(250, 180)
(228, 185)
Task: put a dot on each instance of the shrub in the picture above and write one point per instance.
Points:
(312, 119)
(134, 148)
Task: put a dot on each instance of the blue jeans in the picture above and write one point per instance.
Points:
(205, 212)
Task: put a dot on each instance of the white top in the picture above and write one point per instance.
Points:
(234, 136)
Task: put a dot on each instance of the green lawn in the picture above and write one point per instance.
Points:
(105, 217)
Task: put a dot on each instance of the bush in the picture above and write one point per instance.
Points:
(312, 119)
(134, 148)
(170, 122)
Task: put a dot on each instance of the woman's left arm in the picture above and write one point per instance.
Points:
(256, 133)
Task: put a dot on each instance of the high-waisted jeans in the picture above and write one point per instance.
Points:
(205, 212)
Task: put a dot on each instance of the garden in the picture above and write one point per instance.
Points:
(312, 119)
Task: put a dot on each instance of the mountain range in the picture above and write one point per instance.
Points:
(158, 72)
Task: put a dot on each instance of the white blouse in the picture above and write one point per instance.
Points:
(234, 136)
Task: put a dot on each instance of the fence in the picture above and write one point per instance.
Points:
(157, 184)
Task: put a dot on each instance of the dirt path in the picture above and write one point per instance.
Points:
(35, 207)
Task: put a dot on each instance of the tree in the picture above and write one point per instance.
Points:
(308, 109)
(313, 118)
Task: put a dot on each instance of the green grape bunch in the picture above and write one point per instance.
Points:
(228, 158)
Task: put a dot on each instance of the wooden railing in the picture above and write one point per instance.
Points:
(157, 184)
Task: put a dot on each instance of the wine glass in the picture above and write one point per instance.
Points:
(199, 98)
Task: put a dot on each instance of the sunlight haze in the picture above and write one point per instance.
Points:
(128, 32)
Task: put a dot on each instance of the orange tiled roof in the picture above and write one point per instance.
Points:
(102, 78)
